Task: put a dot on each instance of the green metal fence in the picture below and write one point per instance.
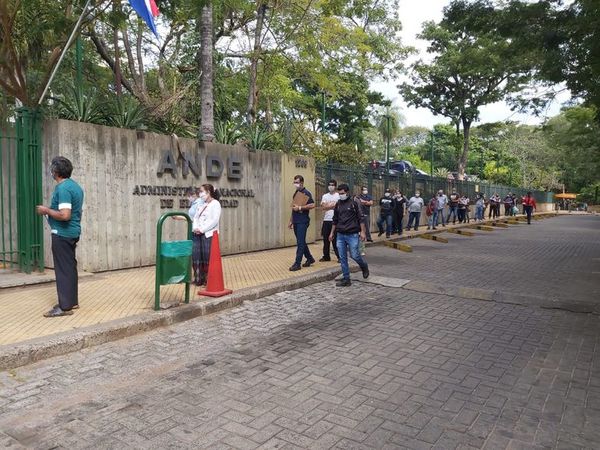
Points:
(21, 234)
(356, 177)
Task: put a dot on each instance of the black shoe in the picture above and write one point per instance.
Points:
(408, 229)
(295, 267)
(369, 240)
(344, 282)
(58, 306)
(387, 236)
(379, 234)
(309, 262)
(57, 312)
(365, 271)
(323, 259)
(434, 228)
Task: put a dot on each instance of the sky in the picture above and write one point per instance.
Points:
(412, 14)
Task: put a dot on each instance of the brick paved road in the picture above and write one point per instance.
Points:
(323, 367)
(556, 258)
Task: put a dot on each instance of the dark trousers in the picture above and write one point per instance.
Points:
(387, 219)
(528, 210)
(65, 269)
(367, 222)
(398, 218)
(325, 232)
(413, 217)
(508, 210)
(461, 215)
(452, 212)
(300, 230)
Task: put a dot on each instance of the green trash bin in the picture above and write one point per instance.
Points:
(173, 260)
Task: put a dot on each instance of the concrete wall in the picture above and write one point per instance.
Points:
(119, 220)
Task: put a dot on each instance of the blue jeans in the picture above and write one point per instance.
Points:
(388, 220)
(453, 211)
(479, 212)
(349, 241)
(439, 213)
(301, 247)
(416, 216)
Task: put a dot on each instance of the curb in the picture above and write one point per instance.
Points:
(33, 350)
(490, 295)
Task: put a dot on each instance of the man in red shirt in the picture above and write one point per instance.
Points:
(528, 206)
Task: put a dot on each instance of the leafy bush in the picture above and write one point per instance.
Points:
(228, 132)
(125, 112)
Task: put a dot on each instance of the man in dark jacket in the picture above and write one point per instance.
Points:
(349, 226)
(386, 204)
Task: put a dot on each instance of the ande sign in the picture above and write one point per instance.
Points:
(214, 170)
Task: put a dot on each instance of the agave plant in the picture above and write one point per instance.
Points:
(227, 132)
(126, 112)
(81, 106)
(257, 138)
(441, 172)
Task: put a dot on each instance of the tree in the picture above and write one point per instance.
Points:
(573, 136)
(469, 69)
(32, 36)
(207, 124)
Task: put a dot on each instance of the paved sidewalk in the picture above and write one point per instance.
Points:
(114, 295)
(109, 296)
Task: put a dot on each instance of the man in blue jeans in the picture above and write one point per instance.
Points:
(302, 203)
(349, 226)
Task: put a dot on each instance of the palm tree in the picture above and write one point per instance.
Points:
(388, 124)
(207, 123)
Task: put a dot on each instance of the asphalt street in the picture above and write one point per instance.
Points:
(367, 366)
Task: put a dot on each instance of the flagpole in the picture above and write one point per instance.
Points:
(64, 50)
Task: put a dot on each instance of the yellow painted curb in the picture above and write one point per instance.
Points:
(433, 237)
(398, 246)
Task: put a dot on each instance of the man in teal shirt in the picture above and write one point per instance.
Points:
(64, 218)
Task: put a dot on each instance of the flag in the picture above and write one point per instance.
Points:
(147, 10)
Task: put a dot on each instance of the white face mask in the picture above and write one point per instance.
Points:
(203, 195)
(387, 194)
(343, 196)
(297, 185)
(365, 192)
(331, 189)
(417, 195)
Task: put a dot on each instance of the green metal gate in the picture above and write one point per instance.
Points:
(22, 242)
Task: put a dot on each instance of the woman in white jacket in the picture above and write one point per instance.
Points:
(206, 222)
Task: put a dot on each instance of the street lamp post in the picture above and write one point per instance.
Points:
(431, 145)
(387, 151)
(323, 113)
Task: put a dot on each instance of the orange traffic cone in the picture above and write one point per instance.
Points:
(215, 287)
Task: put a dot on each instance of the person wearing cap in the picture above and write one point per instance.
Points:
(348, 228)
(386, 204)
